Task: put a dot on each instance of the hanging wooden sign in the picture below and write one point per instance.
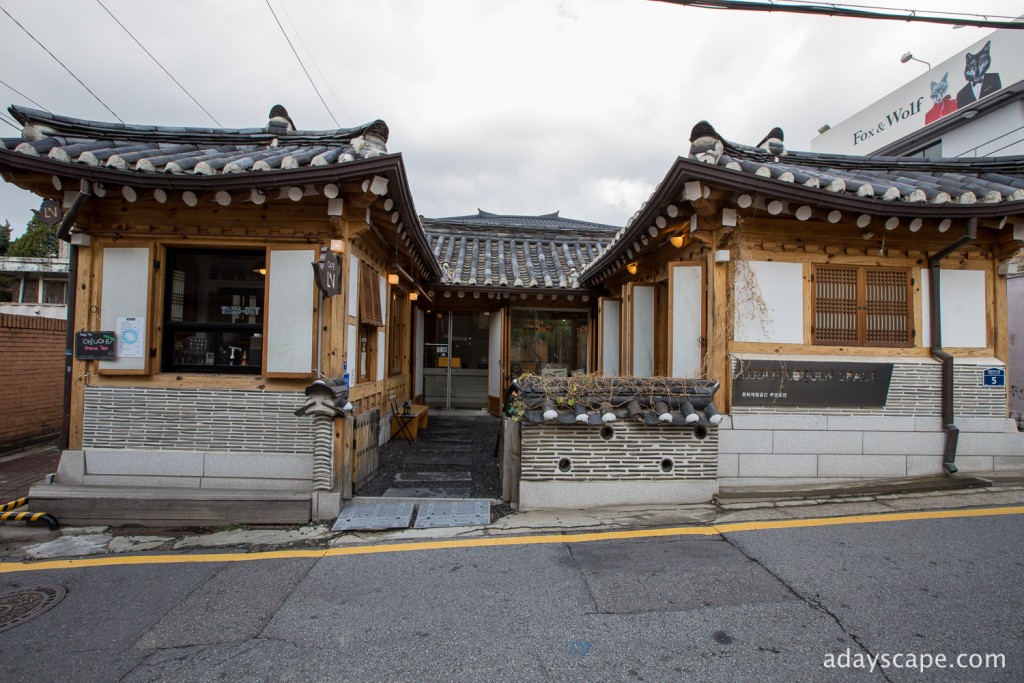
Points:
(327, 272)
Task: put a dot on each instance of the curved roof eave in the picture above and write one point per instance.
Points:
(686, 170)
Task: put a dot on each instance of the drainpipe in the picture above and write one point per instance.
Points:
(64, 233)
(952, 432)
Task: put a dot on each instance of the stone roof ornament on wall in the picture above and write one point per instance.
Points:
(596, 401)
(772, 143)
(705, 143)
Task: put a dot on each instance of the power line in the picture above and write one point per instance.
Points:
(309, 52)
(301, 64)
(836, 10)
(10, 123)
(62, 64)
(21, 94)
(900, 9)
(158, 62)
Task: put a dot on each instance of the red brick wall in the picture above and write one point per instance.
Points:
(31, 377)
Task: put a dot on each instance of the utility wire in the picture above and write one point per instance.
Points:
(836, 10)
(900, 9)
(62, 64)
(301, 64)
(309, 52)
(10, 123)
(21, 94)
(158, 62)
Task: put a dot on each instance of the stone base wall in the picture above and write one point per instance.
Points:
(632, 451)
(192, 438)
(787, 445)
(575, 467)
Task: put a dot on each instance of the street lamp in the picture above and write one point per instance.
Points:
(908, 56)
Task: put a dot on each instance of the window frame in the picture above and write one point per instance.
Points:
(215, 329)
(861, 306)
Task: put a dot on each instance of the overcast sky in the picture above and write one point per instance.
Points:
(514, 106)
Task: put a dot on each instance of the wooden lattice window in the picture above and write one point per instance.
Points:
(862, 306)
(369, 297)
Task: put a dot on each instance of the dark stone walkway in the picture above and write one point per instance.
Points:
(454, 457)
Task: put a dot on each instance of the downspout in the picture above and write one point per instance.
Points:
(952, 432)
(64, 233)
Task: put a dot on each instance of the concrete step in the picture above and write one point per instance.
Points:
(159, 506)
(735, 494)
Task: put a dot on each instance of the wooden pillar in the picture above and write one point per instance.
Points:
(719, 367)
(343, 456)
(84, 304)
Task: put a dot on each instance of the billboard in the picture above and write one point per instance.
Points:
(985, 68)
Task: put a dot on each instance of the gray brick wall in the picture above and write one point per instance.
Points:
(915, 391)
(634, 452)
(195, 420)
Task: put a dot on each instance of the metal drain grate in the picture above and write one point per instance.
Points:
(438, 514)
(19, 606)
(374, 516)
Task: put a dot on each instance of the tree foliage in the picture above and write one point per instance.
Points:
(5, 238)
(39, 239)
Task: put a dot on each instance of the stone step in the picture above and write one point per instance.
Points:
(433, 476)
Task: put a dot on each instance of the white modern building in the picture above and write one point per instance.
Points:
(35, 286)
(970, 105)
(941, 114)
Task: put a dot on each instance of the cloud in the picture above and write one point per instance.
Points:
(519, 107)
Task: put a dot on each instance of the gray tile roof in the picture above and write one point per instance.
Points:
(855, 185)
(488, 249)
(886, 179)
(191, 151)
(595, 401)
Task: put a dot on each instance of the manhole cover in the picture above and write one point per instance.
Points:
(18, 606)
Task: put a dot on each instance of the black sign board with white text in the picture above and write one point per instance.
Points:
(811, 383)
(95, 345)
(327, 272)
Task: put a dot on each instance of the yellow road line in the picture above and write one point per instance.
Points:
(495, 541)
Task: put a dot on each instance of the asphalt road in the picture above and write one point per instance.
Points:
(762, 605)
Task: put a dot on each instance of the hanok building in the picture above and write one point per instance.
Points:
(194, 248)
(852, 309)
(509, 302)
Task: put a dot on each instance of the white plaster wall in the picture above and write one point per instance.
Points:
(643, 331)
(125, 294)
(381, 335)
(964, 304)
(353, 285)
(686, 320)
(290, 311)
(494, 355)
(769, 302)
(611, 322)
(353, 341)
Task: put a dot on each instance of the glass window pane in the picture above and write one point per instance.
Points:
(550, 343)
(54, 291)
(30, 293)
